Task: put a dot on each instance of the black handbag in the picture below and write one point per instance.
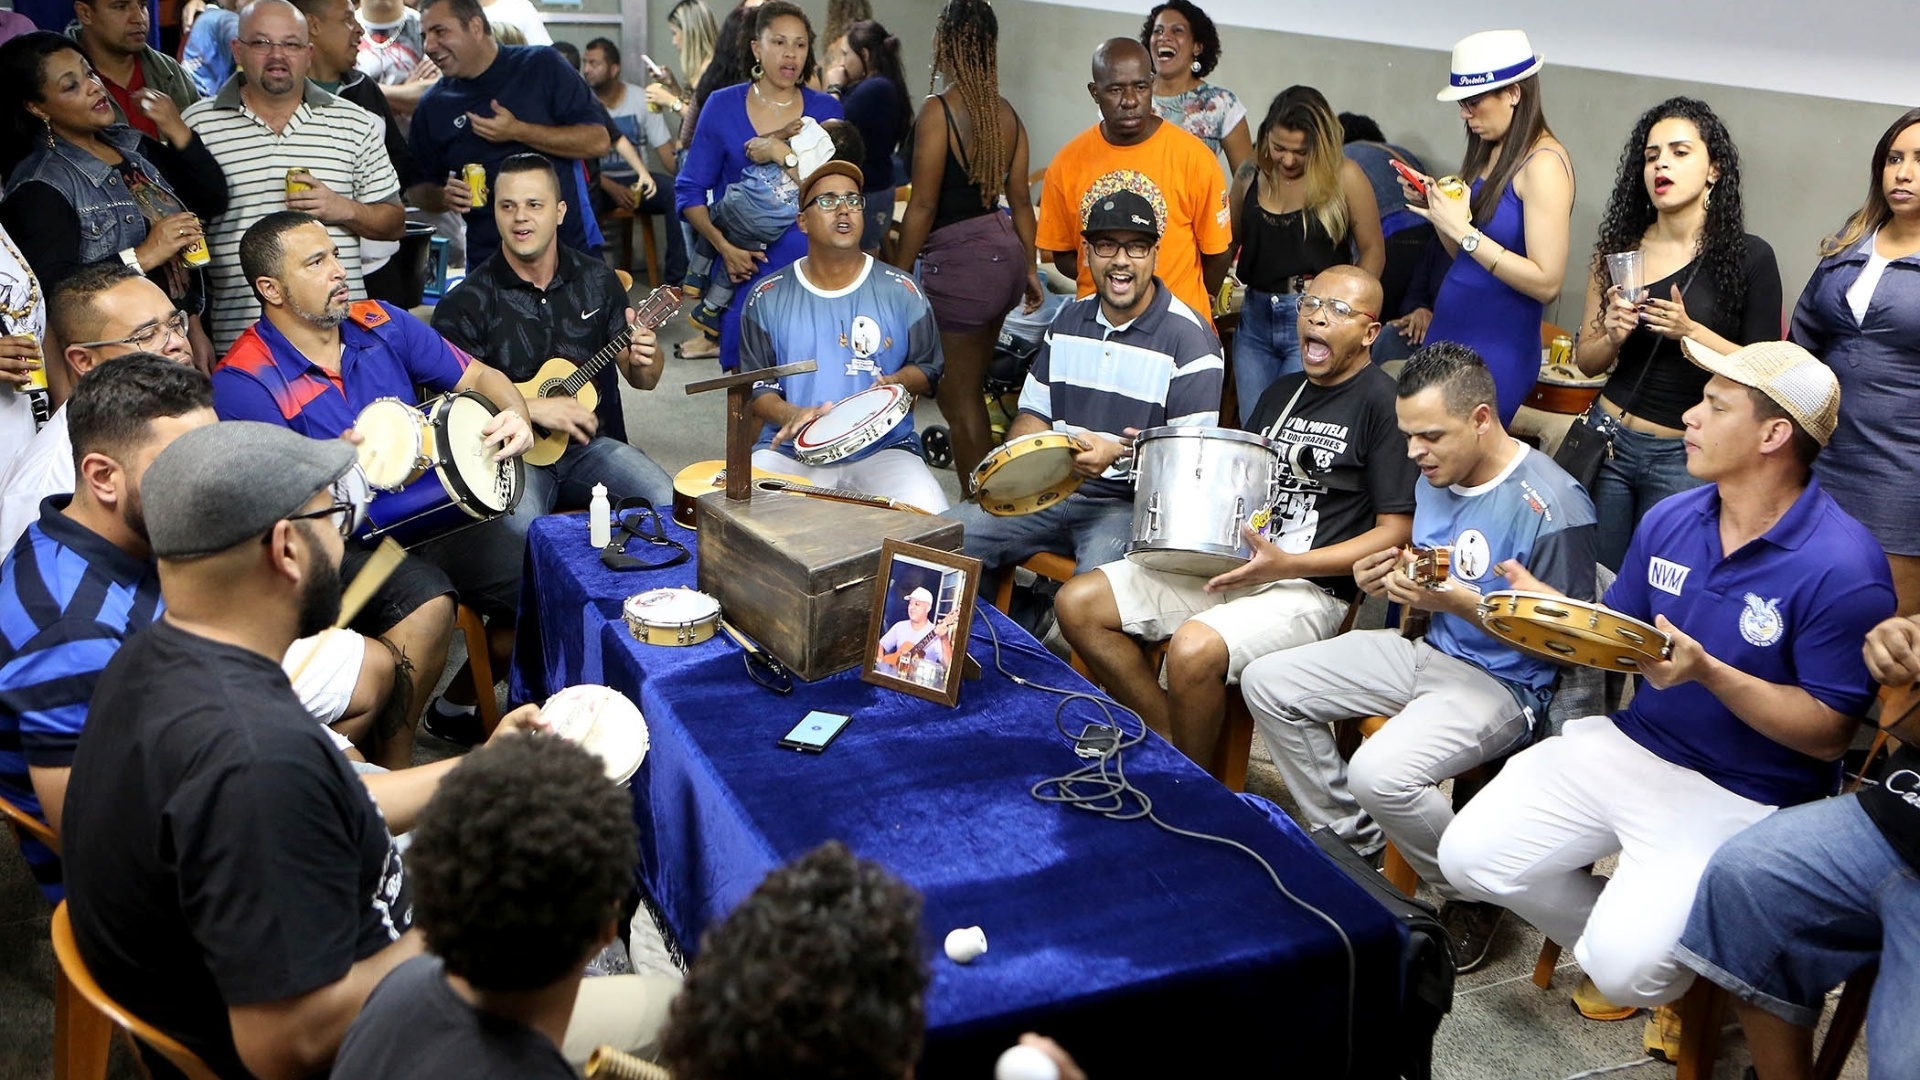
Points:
(1589, 441)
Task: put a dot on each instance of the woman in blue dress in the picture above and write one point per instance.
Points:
(736, 128)
(1509, 236)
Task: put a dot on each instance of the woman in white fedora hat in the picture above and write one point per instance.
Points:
(1509, 234)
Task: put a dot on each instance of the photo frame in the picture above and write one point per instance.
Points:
(920, 650)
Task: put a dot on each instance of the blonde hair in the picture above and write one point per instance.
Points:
(508, 34)
(1302, 108)
(697, 37)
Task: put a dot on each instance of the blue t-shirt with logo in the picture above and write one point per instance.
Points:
(1791, 607)
(875, 326)
(1532, 512)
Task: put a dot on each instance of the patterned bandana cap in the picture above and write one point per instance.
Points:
(1116, 182)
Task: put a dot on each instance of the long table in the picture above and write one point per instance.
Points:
(1144, 952)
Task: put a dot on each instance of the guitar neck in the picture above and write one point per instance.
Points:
(836, 495)
(655, 310)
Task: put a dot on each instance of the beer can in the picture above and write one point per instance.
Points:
(37, 378)
(1452, 187)
(295, 183)
(195, 254)
(475, 174)
(1560, 350)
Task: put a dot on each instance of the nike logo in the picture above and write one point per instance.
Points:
(590, 314)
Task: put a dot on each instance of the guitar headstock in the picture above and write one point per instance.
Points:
(658, 307)
(1429, 566)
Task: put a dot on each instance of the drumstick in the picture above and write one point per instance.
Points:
(379, 567)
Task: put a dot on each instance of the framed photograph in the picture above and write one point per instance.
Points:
(922, 614)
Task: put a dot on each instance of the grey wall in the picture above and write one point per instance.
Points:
(1804, 158)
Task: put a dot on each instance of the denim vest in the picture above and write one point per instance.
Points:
(110, 221)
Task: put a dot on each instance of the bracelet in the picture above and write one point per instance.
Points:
(1496, 260)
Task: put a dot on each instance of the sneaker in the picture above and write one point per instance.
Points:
(1662, 1036)
(1470, 928)
(459, 728)
(1594, 1005)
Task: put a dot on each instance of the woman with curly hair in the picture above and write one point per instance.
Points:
(1304, 208)
(1860, 312)
(1185, 47)
(1676, 200)
(976, 262)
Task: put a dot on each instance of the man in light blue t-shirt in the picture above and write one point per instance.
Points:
(1457, 697)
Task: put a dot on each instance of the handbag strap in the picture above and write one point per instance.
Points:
(635, 517)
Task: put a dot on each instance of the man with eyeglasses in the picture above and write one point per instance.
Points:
(103, 311)
(1353, 497)
(1196, 238)
(865, 323)
(230, 879)
(269, 120)
(1130, 357)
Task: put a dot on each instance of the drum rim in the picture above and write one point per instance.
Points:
(897, 394)
(439, 409)
(414, 471)
(626, 609)
(1226, 434)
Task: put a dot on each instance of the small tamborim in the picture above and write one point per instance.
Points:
(1027, 474)
(1193, 489)
(604, 721)
(674, 616)
(1429, 566)
(431, 468)
(853, 424)
(1569, 631)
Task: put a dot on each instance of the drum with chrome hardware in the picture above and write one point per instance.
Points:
(671, 616)
(853, 424)
(1193, 489)
(431, 468)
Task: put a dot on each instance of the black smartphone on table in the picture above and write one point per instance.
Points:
(815, 732)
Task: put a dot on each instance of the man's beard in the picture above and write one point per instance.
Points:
(319, 597)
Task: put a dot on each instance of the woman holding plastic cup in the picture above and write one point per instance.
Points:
(1508, 229)
(1673, 260)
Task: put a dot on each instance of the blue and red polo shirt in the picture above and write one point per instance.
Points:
(1791, 607)
(384, 352)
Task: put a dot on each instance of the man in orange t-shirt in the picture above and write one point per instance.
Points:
(1197, 245)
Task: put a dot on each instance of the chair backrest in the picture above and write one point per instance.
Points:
(24, 825)
(79, 981)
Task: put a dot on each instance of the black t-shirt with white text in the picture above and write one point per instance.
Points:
(1361, 468)
(1894, 805)
(219, 850)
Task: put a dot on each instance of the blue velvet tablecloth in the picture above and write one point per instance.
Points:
(1141, 951)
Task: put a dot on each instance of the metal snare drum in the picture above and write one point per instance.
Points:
(1193, 489)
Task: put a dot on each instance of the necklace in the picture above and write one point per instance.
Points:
(757, 92)
(33, 285)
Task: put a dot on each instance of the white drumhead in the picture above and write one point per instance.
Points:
(1034, 470)
(849, 415)
(602, 720)
(677, 606)
(389, 447)
(464, 418)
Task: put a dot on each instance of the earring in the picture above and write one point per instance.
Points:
(1706, 197)
(1195, 66)
(49, 124)
(758, 72)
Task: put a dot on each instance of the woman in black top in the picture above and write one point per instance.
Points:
(867, 78)
(976, 261)
(1676, 199)
(84, 189)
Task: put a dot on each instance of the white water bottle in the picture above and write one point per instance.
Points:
(599, 518)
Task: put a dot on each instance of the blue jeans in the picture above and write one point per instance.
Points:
(1266, 346)
(1642, 470)
(1795, 905)
(1094, 531)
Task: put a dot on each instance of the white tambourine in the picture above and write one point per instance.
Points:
(602, 720)
(675, 616)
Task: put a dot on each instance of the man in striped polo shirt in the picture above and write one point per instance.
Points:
(267, 120)
(1130, 357)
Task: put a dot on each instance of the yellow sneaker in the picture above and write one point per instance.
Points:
(1594, 1005)
(1662, 1036)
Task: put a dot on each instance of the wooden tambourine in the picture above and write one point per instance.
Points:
(1028, 474)
(1569, 631)
(675, 616)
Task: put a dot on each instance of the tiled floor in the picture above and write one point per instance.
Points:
(1502, 1026)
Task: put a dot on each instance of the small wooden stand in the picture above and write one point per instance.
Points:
(742, 425)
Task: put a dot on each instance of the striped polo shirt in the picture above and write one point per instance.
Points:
(68, 599)
(1163, 368)
(340, 143)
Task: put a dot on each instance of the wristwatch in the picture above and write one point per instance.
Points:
(132, 260)
(1470, 242)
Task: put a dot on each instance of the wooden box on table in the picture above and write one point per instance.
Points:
(797, 574)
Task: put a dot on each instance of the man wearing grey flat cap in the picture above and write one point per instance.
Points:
(229, 878)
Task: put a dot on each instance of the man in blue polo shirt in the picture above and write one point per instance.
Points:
(1767, 588)
(494, 101)
(1130, 357)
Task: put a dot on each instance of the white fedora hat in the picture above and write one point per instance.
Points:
(1487, 61)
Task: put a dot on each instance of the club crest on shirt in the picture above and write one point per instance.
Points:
(1760, 622)
(1472, 556)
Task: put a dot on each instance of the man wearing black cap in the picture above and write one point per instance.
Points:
(1128, 358)
(864, 322)
(230, 879)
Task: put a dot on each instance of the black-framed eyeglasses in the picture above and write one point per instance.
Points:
(148, 337)
(1107, 247)
(344, 510)
(834, 200)
(1310, 303)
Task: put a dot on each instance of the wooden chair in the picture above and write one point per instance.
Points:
(473, 630)
(84, 1018)
(624, 224)
(26, 825)
(1047, 565)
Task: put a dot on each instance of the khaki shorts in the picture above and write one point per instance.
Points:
(1253, 622)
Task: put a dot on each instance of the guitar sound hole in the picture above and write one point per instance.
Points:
(553, 388)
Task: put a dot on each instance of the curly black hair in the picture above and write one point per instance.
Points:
(1205, 34)
(1458, 371)
(1630, 212)
(520, 860)
(818, 974)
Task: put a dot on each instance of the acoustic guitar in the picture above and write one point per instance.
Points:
(560, 377)
(907, 655)
(703, 476)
